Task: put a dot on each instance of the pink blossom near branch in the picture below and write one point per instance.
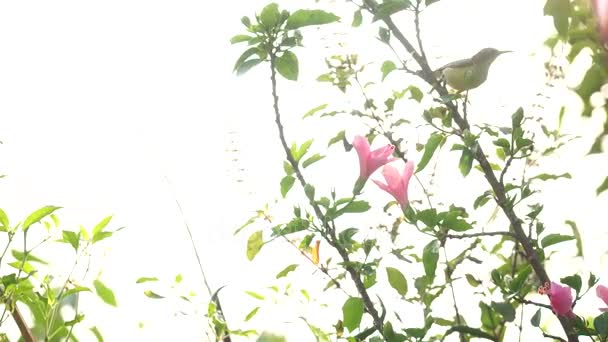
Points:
(601, 12)
(370, 161)
(397, 184)
(561, 299)
(602, 292)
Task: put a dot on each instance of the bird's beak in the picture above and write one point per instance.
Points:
(504, 51)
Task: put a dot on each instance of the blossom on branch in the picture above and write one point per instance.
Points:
(397, 183)
(370, 161)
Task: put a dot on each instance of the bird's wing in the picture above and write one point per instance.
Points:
(457, 64)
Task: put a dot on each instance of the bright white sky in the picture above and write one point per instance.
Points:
(99, 102)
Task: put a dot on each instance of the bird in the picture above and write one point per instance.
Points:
(470, 73)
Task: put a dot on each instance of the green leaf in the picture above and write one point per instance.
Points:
(97, 334)
(245, 66)
(101, 236)
(314, 110)
(152, 294)
(105, 293)
(38, 215)
(470, 331)
(577, 236)
(397, 280)
(356, 207)
(18, 255)
(286, 184)
(309, 191)
(428, 217)
(574, 281)
(339, 137)
(546, 176)
(270, 16)
(4, 223)
(239, 38)
(387, 67)
(352, 311)
(520, 278)
(254, 244)
(357, 18)
(535, 321)
(101, 225)
(430, 2)
(553, 239)
(560, 11)
(472, 280)
(390, 7)
(286, 270)
(430, 256)
(145, 280)
(506, 310)
(76, 290)
(517, 118)
(71, 238)
(601, 324)
(268, 337)
(315, 158)
(301, 18)
(466, 162)
(429, 150)
(603, 187)
(251, 314)
(255, 295)
(244, 56)
(287, 65)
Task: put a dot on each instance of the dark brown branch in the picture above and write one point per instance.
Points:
(473, 235)
(25, 331)
(330, 235)
(499, 190)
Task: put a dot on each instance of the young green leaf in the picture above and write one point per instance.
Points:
(286, 270)
(269, 17)
(386, 68)
(603, 187)
(553, 239)
(251, 314)
(104, 292)
(286, 185)
(430, 256)
(357, 18)
(301, 18)
(314, 110)
(397, 280)
(38, 215)
(429, 149)
(254, 244)
(535, 321)
(390, 7)
(352, 311)
(466, 162)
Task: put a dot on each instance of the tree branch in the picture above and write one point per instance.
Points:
(500, 195)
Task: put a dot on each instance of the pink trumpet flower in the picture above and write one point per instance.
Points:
(397, 183)
(602, 292)
(601, 11)
(560, 298)
(370, 161)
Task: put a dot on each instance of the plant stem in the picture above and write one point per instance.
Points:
(330, 234)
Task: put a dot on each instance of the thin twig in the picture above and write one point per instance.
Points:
(474, 235)
(220, 311)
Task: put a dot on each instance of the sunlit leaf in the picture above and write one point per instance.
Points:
(352, 312)
(301, 18)
(397, 280)
(38, 215)
(287, 65)
(254, 244)
(104, 292)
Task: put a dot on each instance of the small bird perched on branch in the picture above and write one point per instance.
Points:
(470, 73)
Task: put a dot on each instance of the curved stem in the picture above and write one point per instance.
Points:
(330, 235)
